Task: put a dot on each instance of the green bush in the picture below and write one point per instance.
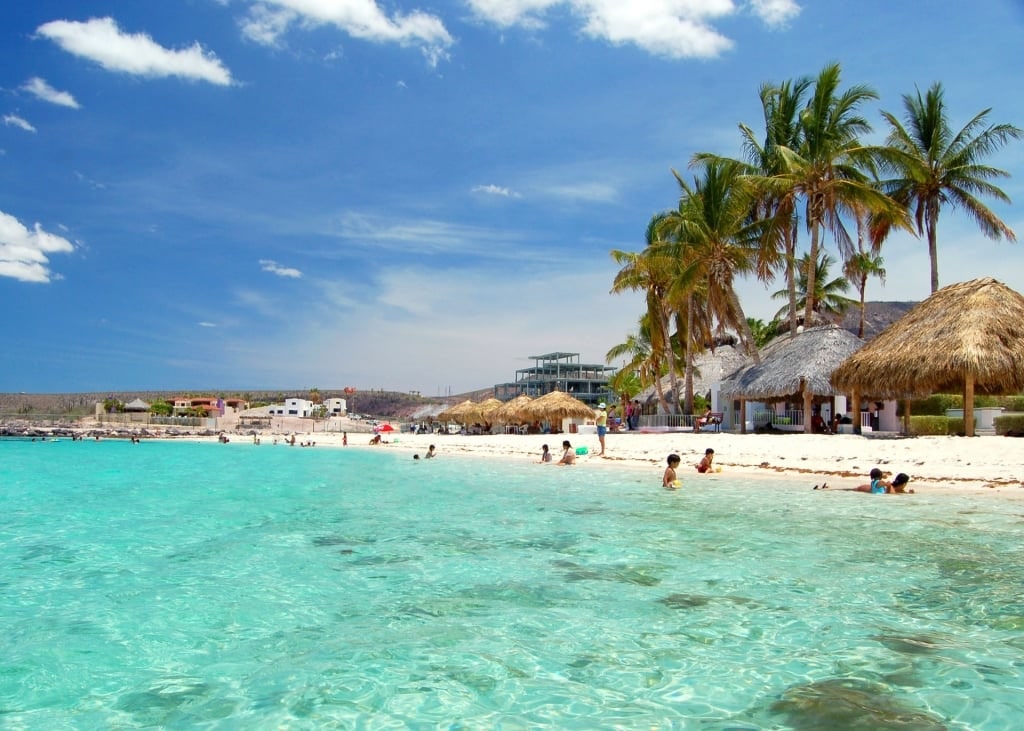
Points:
(1012, 403)
(935, 405)
(921, 426)
(1011, 423)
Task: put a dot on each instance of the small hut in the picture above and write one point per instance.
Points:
(966, 338)
(556, 407)
(137, 405)
(793, 367)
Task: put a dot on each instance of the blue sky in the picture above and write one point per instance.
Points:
(295, 193)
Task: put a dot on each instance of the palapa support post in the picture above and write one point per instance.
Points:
(808, 408)
(968, 404)
(855, 401)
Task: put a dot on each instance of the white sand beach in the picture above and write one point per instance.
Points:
(988, 465)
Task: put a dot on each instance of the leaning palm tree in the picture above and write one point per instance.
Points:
(827, 295)
(715, 240)
(643, 358)
(828, 168)
(653, 271)
(934, 167)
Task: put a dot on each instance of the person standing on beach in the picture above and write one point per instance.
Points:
(629, 416)
(602, 425)
(635, 422)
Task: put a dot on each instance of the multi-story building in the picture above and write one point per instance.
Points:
(559, 372)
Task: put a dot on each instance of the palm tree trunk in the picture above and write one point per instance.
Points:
(670, 356)
(812, 266)
(863, 288)
(791, 275)
(933, 251)
(688, 405)
(746, 334)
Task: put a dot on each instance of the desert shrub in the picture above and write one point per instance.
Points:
(921, 426)
(1009, 424)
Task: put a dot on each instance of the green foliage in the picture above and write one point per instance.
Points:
(935, 405)
(113, 406)
(700, 403)
(1013, 403)
(161, 408)
(921, 426)
(1012, 424)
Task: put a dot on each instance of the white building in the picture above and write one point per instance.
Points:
(336, 406)
(292, 407)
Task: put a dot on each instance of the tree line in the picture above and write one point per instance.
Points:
(806, 170)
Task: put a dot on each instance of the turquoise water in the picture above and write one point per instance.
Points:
(181, 586)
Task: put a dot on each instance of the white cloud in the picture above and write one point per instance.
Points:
(102, 41)
(12, 120)
(672, 28)
(425, 236)
(775, 12)
(207, 324)
(267, 21)
(24, 252)
(269, 265)
(39, 88)
(496, 190)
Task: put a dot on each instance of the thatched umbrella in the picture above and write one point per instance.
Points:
(511, 412)
(794, 367)
(483, 411)
(966, 337)
(557, 405)
(458, 412)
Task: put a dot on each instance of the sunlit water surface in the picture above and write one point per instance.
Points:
(181, 586)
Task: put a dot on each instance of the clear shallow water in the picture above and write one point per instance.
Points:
(239, 587)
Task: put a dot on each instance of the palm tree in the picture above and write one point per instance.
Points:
(715, 240)
(828, 301)
(828, 167)
(934, 167)
(764, 331)
(862, 264)
(652, 271)
(643, 358)
(780, 105)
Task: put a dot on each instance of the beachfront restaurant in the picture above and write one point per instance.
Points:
(559, 371)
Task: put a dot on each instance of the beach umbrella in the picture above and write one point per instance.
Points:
(511, 412)
(457, 412)
(965, 338)
(556, 406)
(384, 428)
(483, 411)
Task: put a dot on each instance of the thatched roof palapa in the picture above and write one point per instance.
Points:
(557, 405)
(793, 365)
(458, 412)
(483, 411)
(964, 338)
(511, 412)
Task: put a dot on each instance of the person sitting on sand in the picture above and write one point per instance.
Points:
(705, 464)
(669, 480)
(545, 454)
(568, 455)
(376, 439)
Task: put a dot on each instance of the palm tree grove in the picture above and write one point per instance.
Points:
(807, 202)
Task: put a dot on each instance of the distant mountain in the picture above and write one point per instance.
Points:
(877, 317)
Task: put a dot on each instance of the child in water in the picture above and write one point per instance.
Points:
(669, 479)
